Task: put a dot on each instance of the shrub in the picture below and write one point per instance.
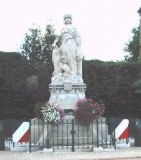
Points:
(88, 110)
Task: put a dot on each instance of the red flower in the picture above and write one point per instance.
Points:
(88, 110)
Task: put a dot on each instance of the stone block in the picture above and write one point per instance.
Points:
(47, 150)
(99, 149)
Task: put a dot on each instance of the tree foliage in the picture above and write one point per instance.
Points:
(16, 99)
(133, 46)
(112, 82)
(44, 79)
(116, 84)
(37, 47)
(137, 85)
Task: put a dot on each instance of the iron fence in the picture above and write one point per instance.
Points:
(68, 134)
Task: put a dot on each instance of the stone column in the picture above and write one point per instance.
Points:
(139, 11)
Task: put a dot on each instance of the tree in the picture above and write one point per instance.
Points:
(44, 79)
(133, 46)
(16, 98)
(38, 48)
(31, 48)
(112, 83)
(47, 41)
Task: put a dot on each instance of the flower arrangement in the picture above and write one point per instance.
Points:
(88, 110)
(52, 113)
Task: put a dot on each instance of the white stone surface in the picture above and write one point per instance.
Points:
(66, 95)
(36, 130)
(122, 145)
(47, 150)
(67, 85)
(17, 146)
(102, 130)
(109, 149)
(68, 117)
(99, 149)
(67, 58)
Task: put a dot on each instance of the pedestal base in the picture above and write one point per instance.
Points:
(67, 94)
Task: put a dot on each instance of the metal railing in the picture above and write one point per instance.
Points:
(68, 134)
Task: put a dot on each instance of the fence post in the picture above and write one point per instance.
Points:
(97, 133)
(47, 140)
(30, 135)
(72, 135)
(114, 134)
(2, 136)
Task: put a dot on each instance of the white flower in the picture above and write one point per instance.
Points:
(50, 114)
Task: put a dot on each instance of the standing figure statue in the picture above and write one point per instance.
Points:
(70, 48)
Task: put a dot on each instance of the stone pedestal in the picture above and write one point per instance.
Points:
(66, 94)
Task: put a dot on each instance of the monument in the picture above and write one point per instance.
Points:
(67, 84)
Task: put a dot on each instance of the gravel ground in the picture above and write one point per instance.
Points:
(131, 153)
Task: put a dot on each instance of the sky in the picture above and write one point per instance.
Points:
(104, 25)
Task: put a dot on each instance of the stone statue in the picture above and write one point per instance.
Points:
(62, 71)
(67, 58)
(67, 85)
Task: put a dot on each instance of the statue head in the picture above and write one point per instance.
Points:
(66, 16)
